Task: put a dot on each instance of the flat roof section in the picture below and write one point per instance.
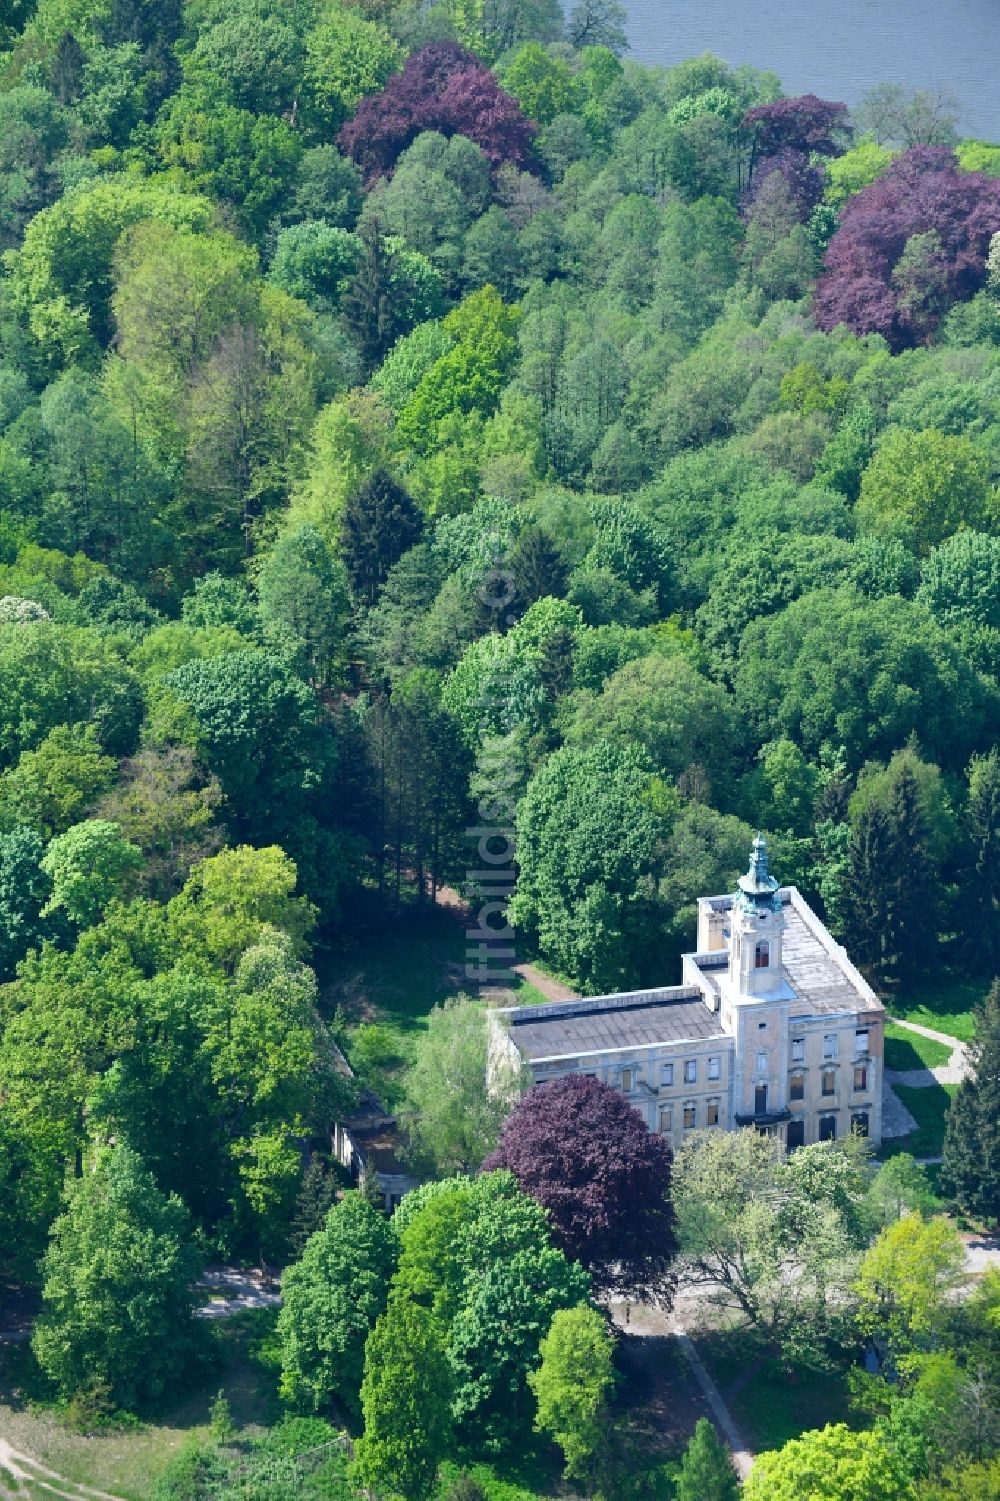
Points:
(614, 1023)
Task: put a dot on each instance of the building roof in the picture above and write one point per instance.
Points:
(813, 963)
(612, 1023)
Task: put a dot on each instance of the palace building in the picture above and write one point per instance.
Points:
(772, 1027)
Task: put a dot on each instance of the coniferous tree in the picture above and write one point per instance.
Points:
(381, 522)
(536, 568)
(707, 1472)
(869, 899)
(971, 1170)
(981, 897)
(317, 1196)
(914, 910)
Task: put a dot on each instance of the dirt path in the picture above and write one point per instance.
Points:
(552, 990)
(651, 1323)
(24, 1468)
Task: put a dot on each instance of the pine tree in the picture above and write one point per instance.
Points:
(971, 1169)
(981, 896)
(536, 568)
(706, 1472)
(316, 1197)
(868, 901)
(914, 913)
(381, 522)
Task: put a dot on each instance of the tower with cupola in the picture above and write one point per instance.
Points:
(756, 930)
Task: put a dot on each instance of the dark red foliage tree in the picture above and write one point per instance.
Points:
(802, 124)
(908, 247)
(585, 1155)
(445, 88)
(804, 181)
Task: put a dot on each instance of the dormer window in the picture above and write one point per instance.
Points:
(762, 955)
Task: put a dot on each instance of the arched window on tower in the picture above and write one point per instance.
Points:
(762, 954)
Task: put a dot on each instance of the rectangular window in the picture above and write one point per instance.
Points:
(667, 1073)
(797, 1087)
(715, 1068)
(861, 1077)
(798, 1050)
(712, 1113)
(628, 1080)
(828, 1128)
(762, 1063)
(859, 1123)
(691, 1071)
(829, 1081)
(666, 1119)
(830, 1045)
(689, 1115)
(796, 1135)
(861, 1043)
(760, 1100)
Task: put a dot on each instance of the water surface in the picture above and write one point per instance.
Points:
(840, 48)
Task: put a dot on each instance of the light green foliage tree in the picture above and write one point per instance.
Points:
(302, 591)
(573, 1385)
(854, 170)
(706, 1472)
(350, 440)
(52, 786)
(330, 1302)
(451, 1110)
(777, 1240)
(405, 1401)
(471, 376)
(542, 84)
(56, 674)
(480, 1256)
(88, 866)
(347, 57)
(177, 288)
(901, 1186)
(906, 1278)
(117, 1296)
(228, 899)
(61, 277)
(251, 60)
(831, 1462)
(922, 487)
(511, 681)
(165, 806)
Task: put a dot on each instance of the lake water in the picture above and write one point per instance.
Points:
(840, 48)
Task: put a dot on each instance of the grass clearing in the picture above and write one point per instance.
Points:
(770, 1403)
(945, 1005)
(126, 1461)
(928, 1108)
(397, 969)
(908, 1050)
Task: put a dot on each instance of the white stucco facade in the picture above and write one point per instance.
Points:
(772, 1027)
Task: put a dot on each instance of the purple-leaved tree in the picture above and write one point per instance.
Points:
(579, 1149)
(908, 247)
(444, 88)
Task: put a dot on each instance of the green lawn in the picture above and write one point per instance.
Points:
(944, 1005)
(904, 1050)
(125, 1461)
(770, 1404)
(928, 1108)
(398, 969)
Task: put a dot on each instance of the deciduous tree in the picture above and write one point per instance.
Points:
(580, 1149)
